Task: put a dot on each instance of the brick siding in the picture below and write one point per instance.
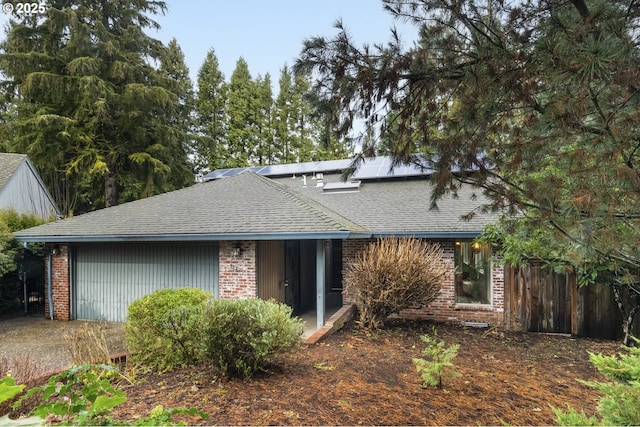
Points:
(238, 279)
(60, 284)
(238, 272)
(444, 308)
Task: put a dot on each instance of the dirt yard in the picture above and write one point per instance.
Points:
(351, 378)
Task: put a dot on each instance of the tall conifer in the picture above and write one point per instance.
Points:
(90, 107)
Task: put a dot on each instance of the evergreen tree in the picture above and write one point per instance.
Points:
(210, 116)
(264, 153)
(304, 128)
(241, 134)
(174, 75)
(536, 102)
(300, 127)
(282, 122)
(91, 111)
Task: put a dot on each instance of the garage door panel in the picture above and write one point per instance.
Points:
(108, 278)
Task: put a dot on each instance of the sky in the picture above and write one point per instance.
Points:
(268, 33)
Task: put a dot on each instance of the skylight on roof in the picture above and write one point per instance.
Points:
(339, 187)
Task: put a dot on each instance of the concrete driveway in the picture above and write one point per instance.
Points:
(41, 342)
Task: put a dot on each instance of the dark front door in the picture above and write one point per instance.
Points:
(292, 274)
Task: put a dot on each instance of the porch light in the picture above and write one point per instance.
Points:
(237, 250)
(476, 246)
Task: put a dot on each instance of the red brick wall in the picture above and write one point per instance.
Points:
(444, 308)
(60, 284)
(238, 272)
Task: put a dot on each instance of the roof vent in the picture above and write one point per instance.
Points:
(341, 187)
(319, 177)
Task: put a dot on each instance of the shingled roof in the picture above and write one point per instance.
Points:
(9, 163)
(247, 206)
(402, 207)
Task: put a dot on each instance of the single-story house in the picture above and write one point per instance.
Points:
(22, 189)
(285, 232)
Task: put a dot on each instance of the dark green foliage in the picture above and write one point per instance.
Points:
(535, 103)
(86, 101)
(11, 252)
(242, 125)
(243, 336)
(164, 329)
(620, 404)
(210, 116)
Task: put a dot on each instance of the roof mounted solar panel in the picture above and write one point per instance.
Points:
(381, 167)
(370, 168)
(233, 172)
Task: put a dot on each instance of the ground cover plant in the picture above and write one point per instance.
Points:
(81, 395)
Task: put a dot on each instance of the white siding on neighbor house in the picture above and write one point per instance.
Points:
(24, 193)
(109, 277)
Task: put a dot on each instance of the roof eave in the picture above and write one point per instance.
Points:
(429, 234)
(194, 237)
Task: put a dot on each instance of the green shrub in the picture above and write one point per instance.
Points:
(163, 329)
(243, 336)
(620, 404)
(10, 222)
(392, 275)
(439, 361)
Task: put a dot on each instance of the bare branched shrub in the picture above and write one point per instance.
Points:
(394, 274)
(88, 345)
(22, 368)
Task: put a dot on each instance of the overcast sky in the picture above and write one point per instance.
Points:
(268, 33)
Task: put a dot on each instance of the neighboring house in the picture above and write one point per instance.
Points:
(285, 232)
(22, 189)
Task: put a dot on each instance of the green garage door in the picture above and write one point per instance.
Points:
(109, 277)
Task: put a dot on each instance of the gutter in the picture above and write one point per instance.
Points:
(312, 235)
(429, 234)
(212, 237)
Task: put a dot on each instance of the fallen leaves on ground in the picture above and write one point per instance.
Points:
(354, 378)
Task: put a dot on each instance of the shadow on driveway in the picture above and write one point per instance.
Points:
(42, 341)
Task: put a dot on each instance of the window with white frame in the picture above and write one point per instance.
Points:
(473, 274)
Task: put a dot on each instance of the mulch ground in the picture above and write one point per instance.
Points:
(353, 378)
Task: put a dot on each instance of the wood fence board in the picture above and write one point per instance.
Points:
(541, 300)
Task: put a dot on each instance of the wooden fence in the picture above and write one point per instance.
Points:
(537, 299)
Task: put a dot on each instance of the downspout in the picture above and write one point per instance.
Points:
(24, 280)
(49, 284)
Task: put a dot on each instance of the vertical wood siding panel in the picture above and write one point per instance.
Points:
(110, 277)
(271, 269)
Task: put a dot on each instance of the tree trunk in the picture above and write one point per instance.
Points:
(110, 188)
(628, 317)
